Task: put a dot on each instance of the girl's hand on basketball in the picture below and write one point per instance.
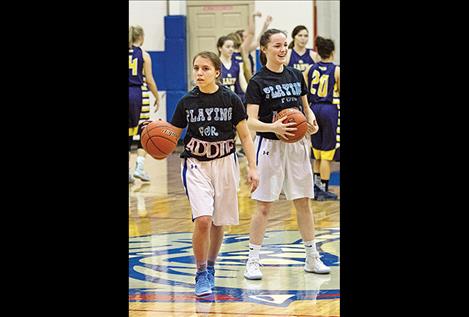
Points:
(252, 179)
(312, 128)
(283, 129)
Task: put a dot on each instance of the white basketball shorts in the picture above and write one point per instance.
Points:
(212, 188)
(283, 167)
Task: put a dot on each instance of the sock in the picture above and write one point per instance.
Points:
(140, 160)
(317, 179)
(201, 266)
(310, 247)
(325, 182)
(254, 251)
(210, 263)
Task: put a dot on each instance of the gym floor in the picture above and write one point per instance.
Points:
(161, 265)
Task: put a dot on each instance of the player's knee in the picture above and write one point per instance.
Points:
(203, 222)
(302, 205)
(263, 209)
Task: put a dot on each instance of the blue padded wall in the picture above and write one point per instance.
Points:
(176, 66)
(175, 26)
(170, 66)
(159, 70)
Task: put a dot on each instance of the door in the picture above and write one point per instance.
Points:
(208, 20)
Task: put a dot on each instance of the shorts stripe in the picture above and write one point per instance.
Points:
(184, 176)
(258, 148)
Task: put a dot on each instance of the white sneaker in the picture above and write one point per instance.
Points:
(252, 271)
(140, 173)
(313, 264)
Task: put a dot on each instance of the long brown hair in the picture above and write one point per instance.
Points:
(216, 62)
(264, 40)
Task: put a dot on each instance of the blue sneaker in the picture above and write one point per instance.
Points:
(211, 276)
(202, 285)
(324, 196)
(317, 190)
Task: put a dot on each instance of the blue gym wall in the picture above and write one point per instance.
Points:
(169, 66)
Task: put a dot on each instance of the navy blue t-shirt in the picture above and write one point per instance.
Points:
(211, 121)
(274, 92)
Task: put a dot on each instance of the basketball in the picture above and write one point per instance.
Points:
(159, 139)
(293, 115)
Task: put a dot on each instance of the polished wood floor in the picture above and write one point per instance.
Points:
(161, 268)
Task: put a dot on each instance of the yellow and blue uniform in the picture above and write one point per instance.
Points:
(323, 97)
(230, 78)
(136, 81)
(300, 62)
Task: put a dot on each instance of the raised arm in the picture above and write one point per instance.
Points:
(242, 79)
(255, 43)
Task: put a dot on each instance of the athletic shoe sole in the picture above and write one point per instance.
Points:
(317, 272)
(143, 179)
(204, 294)
(253, 278)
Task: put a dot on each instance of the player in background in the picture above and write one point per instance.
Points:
(298, 55)
(140, 80)
(232, 74)
(212, 114)
(246, 42)
(323, 80)
(281, 166)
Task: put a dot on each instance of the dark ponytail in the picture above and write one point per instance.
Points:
(263, 58)
(264, 40)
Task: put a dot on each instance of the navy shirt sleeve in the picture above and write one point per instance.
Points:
(239, 112)
(179, 119)
(253, 93)
(304, 87)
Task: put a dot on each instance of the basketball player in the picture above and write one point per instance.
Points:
(282, 166)
(140, 80)
(247, 41)
(232, 74)
(298, 55)
(212, 114)
(323, 81)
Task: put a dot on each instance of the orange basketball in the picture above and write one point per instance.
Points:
(159, 139)
(293, 115)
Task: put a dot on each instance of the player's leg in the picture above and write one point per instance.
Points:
(200, 245)
(256, 236)
(305, 221)
(224, 174)
(315, 154)
(325, 147)
(216, 240)
(199, 190)
(270, 162)
(135, 105)
(143, 120)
